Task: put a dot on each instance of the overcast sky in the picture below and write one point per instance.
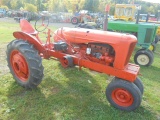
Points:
(152, 1)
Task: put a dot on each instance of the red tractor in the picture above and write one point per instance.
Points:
(81, 17)
(102, 51)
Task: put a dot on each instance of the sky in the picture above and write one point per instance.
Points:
(152, 1)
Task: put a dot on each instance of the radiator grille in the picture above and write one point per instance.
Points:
(148, 37)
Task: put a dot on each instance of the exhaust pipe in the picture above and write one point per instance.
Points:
(105, 24)
(147, 18)
(137, 18)
(138, 14)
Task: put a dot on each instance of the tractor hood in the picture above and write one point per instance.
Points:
(81, 35)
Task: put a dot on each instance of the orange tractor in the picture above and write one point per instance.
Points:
(81, 17)
(102, 51)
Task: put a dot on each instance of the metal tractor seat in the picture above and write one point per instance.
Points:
(27, 27)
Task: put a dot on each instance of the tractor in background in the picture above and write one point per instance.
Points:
(125, 12)
(129, 12)
(2, 12)
(81, 17)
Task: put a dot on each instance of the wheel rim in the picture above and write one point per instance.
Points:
(64, 62)
(74, 20)
(122, 97)
(19, 65)
(143, 59)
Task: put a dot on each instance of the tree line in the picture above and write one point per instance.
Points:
(75, 5)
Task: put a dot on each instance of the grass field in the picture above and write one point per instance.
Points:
(70, 94)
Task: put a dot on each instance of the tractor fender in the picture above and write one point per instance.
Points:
(31, 39)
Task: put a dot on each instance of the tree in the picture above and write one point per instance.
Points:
(91, 5)
(4, 7)
(81, 4)
(72, 5)
(51, 5)
(13, 4)
(151, 10)
(30, 7)
(4, 2)
(20, 4)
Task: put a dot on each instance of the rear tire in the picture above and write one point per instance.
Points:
(123, 95)
(24, 63)
(74, 20)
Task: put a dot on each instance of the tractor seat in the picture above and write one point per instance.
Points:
(27, 27)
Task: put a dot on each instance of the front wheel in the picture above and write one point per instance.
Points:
(67, 61)
(123, 95)
(144, 57)
(139, 84)
(24, 63)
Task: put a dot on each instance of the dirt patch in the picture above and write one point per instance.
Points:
(3, 63)
(55, 90)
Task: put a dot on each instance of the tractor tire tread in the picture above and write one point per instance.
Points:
(119, 83)
(33, 60)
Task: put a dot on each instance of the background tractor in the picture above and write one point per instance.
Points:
(125, 12)
(2, 12)
(130, 12)
(147, 33)
(101, 51)
(81, 17)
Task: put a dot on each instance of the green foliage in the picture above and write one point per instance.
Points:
(30, 7)
(74, 5)
(91, 5)
(4, 2)
(4, 7)
(55, 6)
(13, 4)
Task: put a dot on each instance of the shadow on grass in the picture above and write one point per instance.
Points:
(67, 94)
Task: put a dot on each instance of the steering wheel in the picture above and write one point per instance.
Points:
(42, 23)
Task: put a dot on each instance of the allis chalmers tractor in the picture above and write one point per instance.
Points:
(102, 51)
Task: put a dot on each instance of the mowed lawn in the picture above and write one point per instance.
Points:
(71, 94)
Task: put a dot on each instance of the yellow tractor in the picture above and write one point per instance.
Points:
(125, 12)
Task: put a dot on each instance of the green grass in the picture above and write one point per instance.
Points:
(72, 94)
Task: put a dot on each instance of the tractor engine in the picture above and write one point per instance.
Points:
(100, 53)
(96, 52)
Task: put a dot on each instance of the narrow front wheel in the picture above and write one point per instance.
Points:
(123, 95)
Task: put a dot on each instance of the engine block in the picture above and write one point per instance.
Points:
(102, 53)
